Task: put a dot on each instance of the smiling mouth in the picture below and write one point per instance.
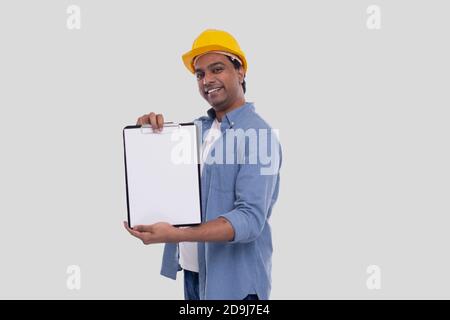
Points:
(208, 92)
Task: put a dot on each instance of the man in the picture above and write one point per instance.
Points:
(229, 255)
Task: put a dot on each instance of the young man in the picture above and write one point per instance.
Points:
(229, 255)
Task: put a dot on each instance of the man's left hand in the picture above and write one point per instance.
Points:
(160, 232)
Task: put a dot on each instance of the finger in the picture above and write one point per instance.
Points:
(143, 120)
(143, 228)
(137, 234)
(130, 231)
(125, 224)
(152, 120)
(160, 121)
(134, 233)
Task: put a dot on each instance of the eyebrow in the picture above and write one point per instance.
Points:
(212, 65)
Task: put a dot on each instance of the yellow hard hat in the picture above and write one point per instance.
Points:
(213, 40)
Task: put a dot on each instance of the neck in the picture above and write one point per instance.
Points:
(238, 103)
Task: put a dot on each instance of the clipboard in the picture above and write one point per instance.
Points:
(162, 174)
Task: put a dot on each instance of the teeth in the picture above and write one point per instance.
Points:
(213, 90)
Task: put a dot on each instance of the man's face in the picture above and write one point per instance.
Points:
(218, 81)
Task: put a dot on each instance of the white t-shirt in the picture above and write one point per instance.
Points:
(188, 250)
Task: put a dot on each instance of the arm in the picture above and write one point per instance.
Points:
(215, 230)
(256, 190)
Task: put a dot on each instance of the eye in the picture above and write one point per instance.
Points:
(217, 69)
(199, 75)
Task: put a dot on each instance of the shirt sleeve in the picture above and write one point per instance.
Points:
(256, 190)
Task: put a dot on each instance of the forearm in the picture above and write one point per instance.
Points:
(215, 230)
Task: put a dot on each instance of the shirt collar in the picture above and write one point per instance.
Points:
(232, 116)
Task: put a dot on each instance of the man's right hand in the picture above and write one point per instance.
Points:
(153, 119)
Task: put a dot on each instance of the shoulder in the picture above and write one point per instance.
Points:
(255, 121)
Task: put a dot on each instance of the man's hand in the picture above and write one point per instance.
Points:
(153, 119)
(219, 229)
(160, 232)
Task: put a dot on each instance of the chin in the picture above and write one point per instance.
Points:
(219, 105)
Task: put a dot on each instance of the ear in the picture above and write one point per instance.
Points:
(241, 74)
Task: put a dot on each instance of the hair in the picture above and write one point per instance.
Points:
(237, 65)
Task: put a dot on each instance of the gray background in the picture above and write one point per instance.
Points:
(362, 114)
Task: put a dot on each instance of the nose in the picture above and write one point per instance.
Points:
(208, 78)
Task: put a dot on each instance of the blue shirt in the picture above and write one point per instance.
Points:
(241, 186)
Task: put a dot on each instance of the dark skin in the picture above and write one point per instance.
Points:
(214, 70)
(220, 84)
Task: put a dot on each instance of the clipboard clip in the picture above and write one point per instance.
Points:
(147, 128)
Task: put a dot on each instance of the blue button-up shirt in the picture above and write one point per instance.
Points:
(241, 184)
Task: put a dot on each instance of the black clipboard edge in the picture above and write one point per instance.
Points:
(198, 173)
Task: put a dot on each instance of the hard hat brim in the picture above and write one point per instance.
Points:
(188, 57)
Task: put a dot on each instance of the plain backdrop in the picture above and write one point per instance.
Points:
(362, 116)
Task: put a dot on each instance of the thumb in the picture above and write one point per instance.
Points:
(141, 228)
